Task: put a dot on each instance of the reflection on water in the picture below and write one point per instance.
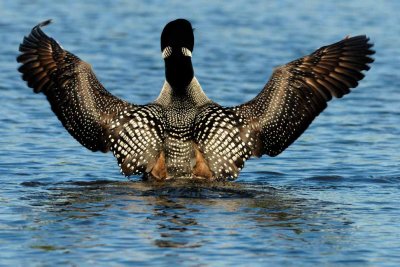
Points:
(179, 215)
(154, 223)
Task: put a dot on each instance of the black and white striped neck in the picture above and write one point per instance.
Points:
(178, 67)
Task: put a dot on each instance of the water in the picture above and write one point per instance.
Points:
(331, 199)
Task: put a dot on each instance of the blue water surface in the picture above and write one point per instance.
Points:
(331, 199)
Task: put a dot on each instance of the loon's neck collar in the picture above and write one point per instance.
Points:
(191, 95)
(178, 68)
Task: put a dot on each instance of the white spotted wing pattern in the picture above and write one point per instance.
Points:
(226, 144)
(136, 138)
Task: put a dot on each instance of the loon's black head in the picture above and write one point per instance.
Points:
(177, 42)
(177, 34)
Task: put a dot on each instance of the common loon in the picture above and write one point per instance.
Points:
(183, 133)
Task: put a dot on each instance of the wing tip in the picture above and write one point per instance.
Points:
(44, 23)
(30, 42)
(35, 44)
(361, 39)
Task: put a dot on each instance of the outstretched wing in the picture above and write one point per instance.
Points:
(93, 116)
(299, 91)
(78, 99)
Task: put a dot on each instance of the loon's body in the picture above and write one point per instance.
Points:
(183, 133)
